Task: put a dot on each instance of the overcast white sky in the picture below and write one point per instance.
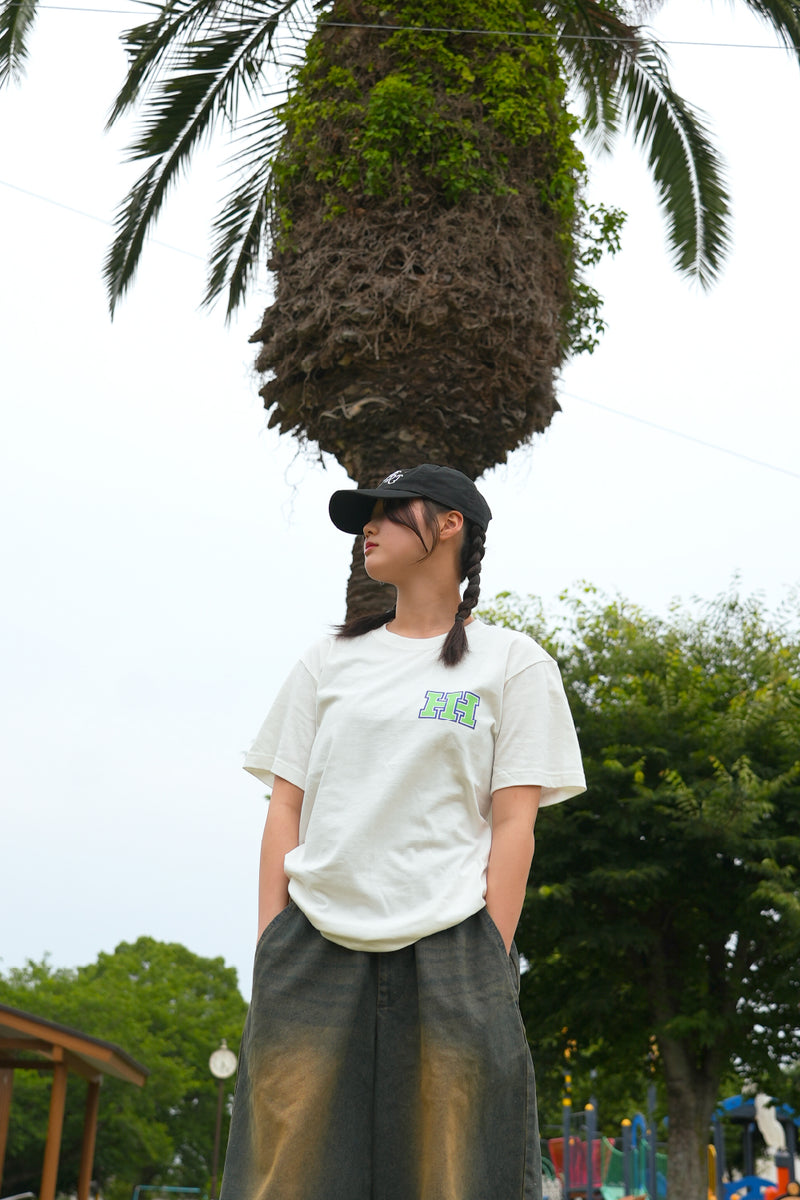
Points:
(165, 559)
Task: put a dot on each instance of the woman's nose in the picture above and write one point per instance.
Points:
(371, 526)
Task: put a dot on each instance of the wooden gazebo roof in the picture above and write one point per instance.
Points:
(30, 1042)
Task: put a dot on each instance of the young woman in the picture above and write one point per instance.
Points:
(384, 1056)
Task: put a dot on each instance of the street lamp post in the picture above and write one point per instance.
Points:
(222, 1064)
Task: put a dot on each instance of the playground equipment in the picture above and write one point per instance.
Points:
(777, 1124)
(163, 1192)
(551, 1188)
(591, 1167)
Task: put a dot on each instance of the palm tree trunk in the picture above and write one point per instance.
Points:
(418, 321)
(365, 597)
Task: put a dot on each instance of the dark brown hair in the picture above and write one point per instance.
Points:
(401, 512)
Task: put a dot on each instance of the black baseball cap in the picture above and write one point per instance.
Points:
(350, 510)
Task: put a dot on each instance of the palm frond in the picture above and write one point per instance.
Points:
(16, 22)
(148, 45)
(184, 108)
(126, 248)
(783, 16)
(591, 41)
(687, 170)
(156, 47)
(240, 231)
(241, 227)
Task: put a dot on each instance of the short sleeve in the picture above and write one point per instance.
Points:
(283, 745)
(536, 742)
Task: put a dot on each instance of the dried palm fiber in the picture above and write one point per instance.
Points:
(425, 332)
(407, 327)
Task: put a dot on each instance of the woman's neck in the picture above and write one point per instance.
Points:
(425, 611)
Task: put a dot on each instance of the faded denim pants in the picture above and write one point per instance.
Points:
(384, 1076)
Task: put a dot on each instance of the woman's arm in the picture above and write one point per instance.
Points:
(514, 812)
(281, 834)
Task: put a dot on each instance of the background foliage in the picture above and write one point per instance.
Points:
(167, 1008)
(662, 920)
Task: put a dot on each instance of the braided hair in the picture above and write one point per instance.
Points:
(455, 644)
(473, 549)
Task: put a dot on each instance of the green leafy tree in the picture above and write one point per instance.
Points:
(663, 924)
(166, 1007)
(420, 189)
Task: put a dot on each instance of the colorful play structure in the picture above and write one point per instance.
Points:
(777, 1124)
(584, 1165)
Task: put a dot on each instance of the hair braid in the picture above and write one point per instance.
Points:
(472, 552)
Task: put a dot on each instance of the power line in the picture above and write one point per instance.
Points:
(688, 437)
(122, 12)
(567, 37)
(519, 33)
(93, 217)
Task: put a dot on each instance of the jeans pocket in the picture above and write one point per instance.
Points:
(511, 957)
(495, 932)
(276, 920)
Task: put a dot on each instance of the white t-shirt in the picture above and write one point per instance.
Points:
(398, 757)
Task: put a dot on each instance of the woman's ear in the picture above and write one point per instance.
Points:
(450, 524)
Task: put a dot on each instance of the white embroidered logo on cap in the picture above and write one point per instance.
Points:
(393, 478)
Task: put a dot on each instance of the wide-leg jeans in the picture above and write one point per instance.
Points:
(384, 1076)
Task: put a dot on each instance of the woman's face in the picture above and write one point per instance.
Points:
(391, 551)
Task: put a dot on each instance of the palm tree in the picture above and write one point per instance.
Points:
(420, 189)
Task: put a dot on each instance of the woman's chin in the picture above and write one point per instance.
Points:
(373, 573)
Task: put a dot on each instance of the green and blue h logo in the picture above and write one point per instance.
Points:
(450, 706)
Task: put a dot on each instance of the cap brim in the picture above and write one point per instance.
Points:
(350, 510)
